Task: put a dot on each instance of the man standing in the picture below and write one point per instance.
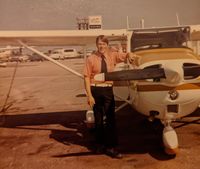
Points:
(100, 95)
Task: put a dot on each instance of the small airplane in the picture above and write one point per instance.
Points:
(165, 80)
(162, 81)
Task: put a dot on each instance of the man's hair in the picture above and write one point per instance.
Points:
(103, 38)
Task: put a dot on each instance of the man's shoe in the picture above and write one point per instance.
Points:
(113, 153)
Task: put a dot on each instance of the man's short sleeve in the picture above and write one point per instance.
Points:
(87, 70)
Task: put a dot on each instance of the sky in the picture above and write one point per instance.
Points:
(62, 14)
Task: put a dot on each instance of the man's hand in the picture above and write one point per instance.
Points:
(133, 59)
(91, 101)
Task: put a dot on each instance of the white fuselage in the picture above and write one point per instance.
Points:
(157, 96)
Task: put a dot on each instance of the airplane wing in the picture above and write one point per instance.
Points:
(58, 37)
(194, 30)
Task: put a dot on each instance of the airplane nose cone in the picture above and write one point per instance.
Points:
(172, 76)
(173, 72)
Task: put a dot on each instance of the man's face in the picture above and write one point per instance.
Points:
(102, 47)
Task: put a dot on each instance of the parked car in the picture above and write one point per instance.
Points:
(88, 52)
(19, 58)
(66, 53)
(56, 55)
(69, 53)
(36, 57)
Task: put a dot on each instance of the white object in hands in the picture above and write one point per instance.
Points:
(100, 77)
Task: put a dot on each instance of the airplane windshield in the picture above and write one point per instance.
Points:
(159, 38)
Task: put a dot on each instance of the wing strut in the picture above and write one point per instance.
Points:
(51, 60)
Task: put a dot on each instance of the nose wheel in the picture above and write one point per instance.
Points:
(170, 140)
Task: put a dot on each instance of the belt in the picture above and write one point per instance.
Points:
(102, 85)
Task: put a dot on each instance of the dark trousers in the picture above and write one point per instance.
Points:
(104, 113)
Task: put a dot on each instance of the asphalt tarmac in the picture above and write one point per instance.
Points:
(42, 126)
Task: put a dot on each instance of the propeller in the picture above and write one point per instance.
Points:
(135, 74)
(147, 73)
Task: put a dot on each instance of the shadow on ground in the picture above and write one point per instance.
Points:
(136, 134)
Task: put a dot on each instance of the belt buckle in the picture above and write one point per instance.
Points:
(102, 85)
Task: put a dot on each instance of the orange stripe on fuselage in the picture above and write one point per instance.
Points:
(150, 88)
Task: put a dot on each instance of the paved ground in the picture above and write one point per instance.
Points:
(44, 127)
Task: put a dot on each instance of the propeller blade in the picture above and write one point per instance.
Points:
(135, 74)
(193, 71)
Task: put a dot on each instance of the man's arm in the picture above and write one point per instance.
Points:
(125, 57)
(133, 59)
(91, 100)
